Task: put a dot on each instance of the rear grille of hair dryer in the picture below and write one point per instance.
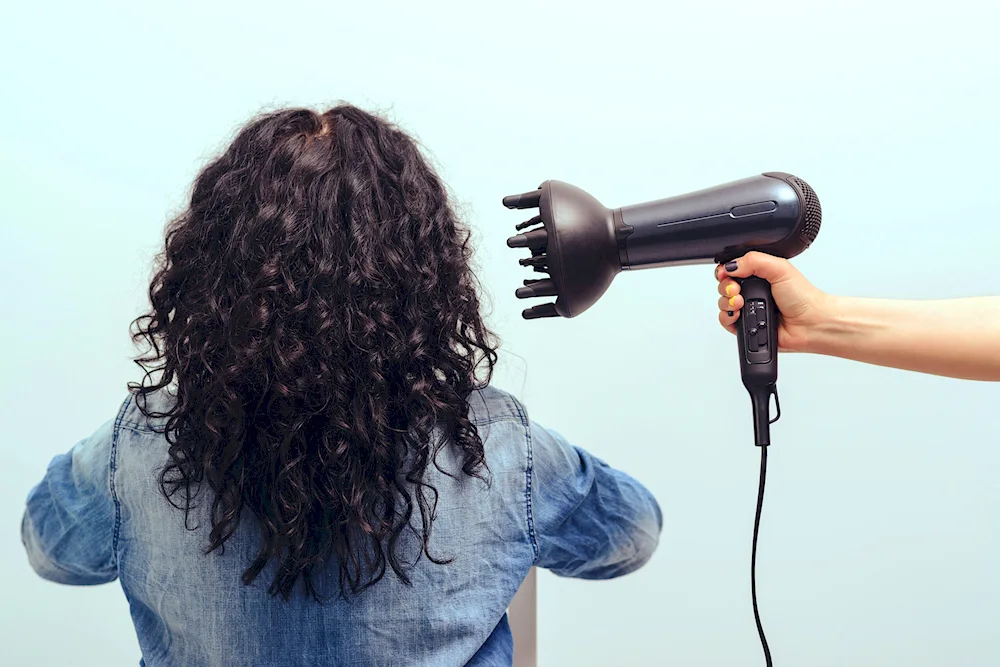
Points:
(813, 211)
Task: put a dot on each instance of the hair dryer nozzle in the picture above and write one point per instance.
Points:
(576, 246)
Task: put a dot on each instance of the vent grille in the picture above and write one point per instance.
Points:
(814, 212)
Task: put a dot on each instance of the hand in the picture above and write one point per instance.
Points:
(801, 304)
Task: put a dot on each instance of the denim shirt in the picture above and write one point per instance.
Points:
(98, 515)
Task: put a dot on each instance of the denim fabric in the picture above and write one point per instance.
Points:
(98, 515)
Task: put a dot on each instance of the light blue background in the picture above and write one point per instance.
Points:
(880, 543)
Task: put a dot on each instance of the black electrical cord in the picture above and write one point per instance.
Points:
(753, 555)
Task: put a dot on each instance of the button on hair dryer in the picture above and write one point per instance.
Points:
(582, 245)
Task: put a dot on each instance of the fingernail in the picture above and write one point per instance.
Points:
(732, 301)
(730, 313)
(731, 266)
(729, 288)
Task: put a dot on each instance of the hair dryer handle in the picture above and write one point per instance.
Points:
(757, 334)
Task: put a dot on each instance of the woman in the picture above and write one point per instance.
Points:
(313, 470)
(957, 338)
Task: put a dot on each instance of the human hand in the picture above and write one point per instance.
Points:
(801, 304)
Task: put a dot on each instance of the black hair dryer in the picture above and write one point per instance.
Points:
(582, 246)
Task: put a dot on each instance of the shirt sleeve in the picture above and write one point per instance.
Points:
(68, 525)
(591, 520)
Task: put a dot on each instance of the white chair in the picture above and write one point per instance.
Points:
(523, 616)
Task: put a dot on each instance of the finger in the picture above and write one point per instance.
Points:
(727, 321)
(770, 268)
(729, 287)
(733, 303)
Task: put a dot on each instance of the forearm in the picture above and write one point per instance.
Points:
(955, 337)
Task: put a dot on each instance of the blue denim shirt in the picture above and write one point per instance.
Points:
(98, 515)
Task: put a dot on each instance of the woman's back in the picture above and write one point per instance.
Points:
(549, 504)
(314, 469)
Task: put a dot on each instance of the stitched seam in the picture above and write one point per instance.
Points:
(527, 479)
(135, 428)
(113, 467)
(510, 419)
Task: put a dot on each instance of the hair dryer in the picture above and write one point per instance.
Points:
(582, 246)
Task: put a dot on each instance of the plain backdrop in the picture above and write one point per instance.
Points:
(880, 541)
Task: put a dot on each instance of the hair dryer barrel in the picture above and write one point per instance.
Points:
(774, 213)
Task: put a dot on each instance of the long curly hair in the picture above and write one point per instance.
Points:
(316, 317)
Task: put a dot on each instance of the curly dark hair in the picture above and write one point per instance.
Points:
(316, 316)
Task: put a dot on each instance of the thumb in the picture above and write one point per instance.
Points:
(770, 268)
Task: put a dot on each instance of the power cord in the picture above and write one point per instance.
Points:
(753, 555)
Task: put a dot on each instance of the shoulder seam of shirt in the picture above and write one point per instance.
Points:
(522, 415)
(501, 400)
(501, 419)
(140, 423)
(112, 467)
